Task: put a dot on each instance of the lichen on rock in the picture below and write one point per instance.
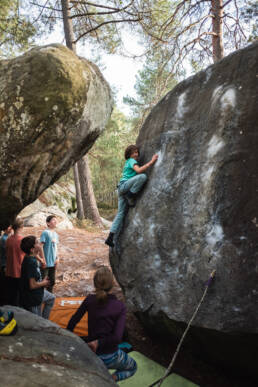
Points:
(53, 106)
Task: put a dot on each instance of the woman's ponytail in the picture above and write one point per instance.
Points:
(103, 282)
(101, 295)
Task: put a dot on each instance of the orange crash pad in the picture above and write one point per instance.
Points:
(62, 311)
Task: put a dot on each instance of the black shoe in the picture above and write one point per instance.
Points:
(130, 198)
(109, 240)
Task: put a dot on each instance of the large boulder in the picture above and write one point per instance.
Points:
(199, 212)
(53, 106)
(38, 218)
(43, 354)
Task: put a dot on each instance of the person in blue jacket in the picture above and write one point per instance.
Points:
(49, 240)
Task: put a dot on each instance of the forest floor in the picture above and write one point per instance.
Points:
(81, 252)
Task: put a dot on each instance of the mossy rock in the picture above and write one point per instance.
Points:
(53, 106)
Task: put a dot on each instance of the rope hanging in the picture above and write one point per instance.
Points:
(161, 380)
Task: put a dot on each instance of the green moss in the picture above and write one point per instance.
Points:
(44, 89)
(73, 203)
(50, 69)
(58, 202)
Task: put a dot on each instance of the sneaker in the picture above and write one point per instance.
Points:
(131, 201)
(109, 240)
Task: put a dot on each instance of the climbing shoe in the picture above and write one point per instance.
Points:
(109, 241)
(8, 326)
(130, 198)
(126, 347)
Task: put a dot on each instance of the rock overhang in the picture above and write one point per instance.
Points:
(53, 106)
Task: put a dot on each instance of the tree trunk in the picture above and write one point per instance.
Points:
(86, 202)
(68, 25)
(80, 212)
(217, 37)
(88, 199)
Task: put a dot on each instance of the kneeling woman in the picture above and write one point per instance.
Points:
(106, 324)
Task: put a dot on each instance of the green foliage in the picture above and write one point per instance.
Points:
(250, 14)
(73, 203)
(152, 83)
(253, 35)
(107, 156)
(187, 29)
(99, 22)
(16, 30)
(177, 36)
(107, 37)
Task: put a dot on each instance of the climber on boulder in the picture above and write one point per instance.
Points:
(130, 184)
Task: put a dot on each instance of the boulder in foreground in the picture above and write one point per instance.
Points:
(43, 354)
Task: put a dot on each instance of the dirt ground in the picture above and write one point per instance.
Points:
(81, 253)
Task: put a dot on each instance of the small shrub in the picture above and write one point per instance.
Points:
(85, 224)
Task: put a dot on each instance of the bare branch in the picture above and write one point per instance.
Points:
(96, 32)
(76, 15)
(226, 3)
(105, 23)
(101, 6)
(237, 24)
(45, 7)
(203, 21)
(40, 13)
(184, 3)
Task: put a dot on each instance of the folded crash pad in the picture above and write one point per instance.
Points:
(148, 371)
(62, 311)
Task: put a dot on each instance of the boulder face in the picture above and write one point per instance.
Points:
(199, 213)
(53, 106)
(38, 218)
(43, 354)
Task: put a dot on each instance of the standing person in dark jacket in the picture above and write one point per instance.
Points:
(106, 324)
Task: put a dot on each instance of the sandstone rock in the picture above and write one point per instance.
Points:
(53, 106)
(60, 194)
(38, 218)
(43, 354)
(35, 214)
(198, 212)
(32, 208)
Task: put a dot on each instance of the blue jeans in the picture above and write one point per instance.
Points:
(134, 185)
(124, 365)
(48, 301)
